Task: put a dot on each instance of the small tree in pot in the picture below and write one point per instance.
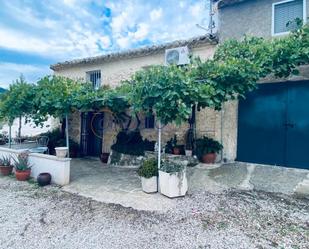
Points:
(149, 176)
(22, 167)
(207, 149)
(5, 166)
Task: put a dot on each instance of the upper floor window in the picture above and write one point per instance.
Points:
(285, 12)
(95, 78)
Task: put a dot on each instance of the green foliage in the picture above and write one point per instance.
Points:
(171, 167)
(132, 143)
(148, 169)
(5, 161)
(17, 101)
(166, 91)
(22, 162)
(55, 96)
(207, 145)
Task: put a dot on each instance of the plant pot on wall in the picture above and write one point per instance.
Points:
(176, 151)
(22, 175)
(209, 158)
(188, 152)
(61, 151)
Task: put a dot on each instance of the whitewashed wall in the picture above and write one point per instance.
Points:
(59, 168)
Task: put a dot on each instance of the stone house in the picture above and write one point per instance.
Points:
(270, 127)
(95, 131)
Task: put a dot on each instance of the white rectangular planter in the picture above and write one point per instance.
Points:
(173, 184)
(150, 185)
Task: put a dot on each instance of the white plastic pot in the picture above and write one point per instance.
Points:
(61, 151)
(173, 184)
(188, 152)
(150, 185)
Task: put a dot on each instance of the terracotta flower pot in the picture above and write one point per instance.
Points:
(176, 151)
(22, 175)
(44, 179)
(104, 157)
(209, 158)
(6, 170)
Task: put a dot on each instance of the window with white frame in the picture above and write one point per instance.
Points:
(285, 12)
(95, 78)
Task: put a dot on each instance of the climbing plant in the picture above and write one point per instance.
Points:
(171, 91)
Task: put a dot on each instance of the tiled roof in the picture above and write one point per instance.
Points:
(191, 43)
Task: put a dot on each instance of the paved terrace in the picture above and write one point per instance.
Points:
(108, 184)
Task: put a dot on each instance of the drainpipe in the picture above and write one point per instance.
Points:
(159, 144)
(221, 131)
(67, 133)
(10, 135)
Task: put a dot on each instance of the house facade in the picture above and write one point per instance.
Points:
(96, 132)
(271, 126)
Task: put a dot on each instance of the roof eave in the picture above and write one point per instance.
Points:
(140, 52)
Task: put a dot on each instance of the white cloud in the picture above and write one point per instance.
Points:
(156, 14)
(123, 42)
(67, 29)
(142, 31)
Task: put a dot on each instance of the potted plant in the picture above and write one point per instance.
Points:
(22, 167)
(5, 166)
(104, 157)
(176, 149)
(207, 149)
(149, 176)
(172, 179)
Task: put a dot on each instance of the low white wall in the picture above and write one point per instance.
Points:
(59, 168)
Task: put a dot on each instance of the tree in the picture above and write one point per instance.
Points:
(55, 96)
(17, 102)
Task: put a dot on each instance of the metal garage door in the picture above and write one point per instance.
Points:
(273, 125)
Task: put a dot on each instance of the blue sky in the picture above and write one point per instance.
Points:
(36, 33)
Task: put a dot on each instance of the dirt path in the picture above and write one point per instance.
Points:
(32, 217)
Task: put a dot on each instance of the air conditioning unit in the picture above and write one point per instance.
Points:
(177, 56)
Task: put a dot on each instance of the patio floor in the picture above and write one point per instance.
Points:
(93, 179)
(110, 184)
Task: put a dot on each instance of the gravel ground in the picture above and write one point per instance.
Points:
(32, 217)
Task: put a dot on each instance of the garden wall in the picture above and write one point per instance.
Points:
(59, 168)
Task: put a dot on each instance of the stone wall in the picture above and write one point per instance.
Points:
(252, 18)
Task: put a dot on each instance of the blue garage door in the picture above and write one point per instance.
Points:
(273, 125)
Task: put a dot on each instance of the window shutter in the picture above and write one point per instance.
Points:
(286, 12)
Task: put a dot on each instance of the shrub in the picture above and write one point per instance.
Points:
(132, 143)
(207, 145)
(148, 169)
(171, 167)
